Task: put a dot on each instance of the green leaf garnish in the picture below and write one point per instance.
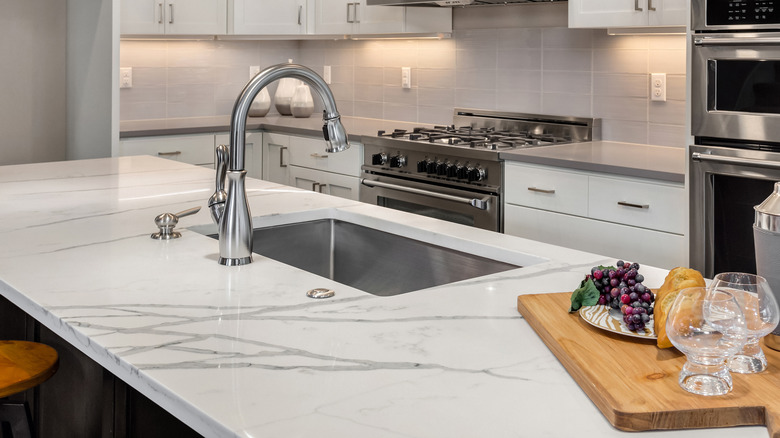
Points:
(585, 295)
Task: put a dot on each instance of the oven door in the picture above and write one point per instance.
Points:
(725, 184)
(736, 88)
(465, 207)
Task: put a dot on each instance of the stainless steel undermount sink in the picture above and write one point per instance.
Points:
(368, 259)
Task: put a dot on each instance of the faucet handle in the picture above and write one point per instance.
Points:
(218, 199)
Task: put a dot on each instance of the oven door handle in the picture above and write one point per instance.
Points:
(698, 156)
(734, 41)
(481, 204)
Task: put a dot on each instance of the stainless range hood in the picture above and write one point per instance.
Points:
(451, 3)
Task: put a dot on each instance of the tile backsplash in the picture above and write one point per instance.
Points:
(552, 70)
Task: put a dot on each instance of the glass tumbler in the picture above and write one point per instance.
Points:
(759, 305)
(708, 326)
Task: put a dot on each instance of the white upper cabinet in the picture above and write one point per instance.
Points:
(173, 17)
(342, 17)
(267, 17)
(346, 17)
(627, 13)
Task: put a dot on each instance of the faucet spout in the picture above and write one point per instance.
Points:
(235, 220)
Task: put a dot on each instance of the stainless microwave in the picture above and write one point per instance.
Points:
(735, 71)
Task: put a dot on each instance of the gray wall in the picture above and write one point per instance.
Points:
(32, 81)
(92, 44)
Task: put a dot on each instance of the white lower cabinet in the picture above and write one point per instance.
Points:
(630, 218)
(253, 155)
(277, 156)
(193, 149)
(302, 162)
(343, 186)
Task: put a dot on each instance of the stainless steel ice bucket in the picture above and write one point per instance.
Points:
(766, 235)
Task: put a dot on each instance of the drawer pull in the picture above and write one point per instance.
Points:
(548, 191)
(168, 154)
(316, 155)
(632, 205)
(281, 156)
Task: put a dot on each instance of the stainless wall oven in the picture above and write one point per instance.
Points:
(735, 108)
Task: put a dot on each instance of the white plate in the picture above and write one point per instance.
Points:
(611, 320)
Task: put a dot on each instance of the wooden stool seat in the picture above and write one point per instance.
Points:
(24, 365)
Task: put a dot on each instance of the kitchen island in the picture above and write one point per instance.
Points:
(242, 351)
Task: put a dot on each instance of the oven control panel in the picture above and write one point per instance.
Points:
(427, 166)
(720, 13)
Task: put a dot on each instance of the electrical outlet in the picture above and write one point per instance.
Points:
(406, 77)
(658, 87)
(253, 71)
(326, 75)
(126, 77)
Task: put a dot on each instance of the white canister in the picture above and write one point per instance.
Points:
(284, 94)
(302, 104)
(261, 105)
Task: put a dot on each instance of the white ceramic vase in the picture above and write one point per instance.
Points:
(261, 105)
(302, 104)
(284, 94)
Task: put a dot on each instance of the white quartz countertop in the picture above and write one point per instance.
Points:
(241, 351)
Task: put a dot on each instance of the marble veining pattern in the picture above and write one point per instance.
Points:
(243, 352)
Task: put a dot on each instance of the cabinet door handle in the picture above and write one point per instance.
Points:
(300, 13)
(321, 187)
(314, 186)
(316, 155)
(636, 6)
(548, 191)
(281, 156)
(160, 10)
(632, 205)
(349, 6)
(170, 19)
(168, 154)
(650, 6)
(357, 19)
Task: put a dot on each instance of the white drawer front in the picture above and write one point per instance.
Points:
(310, 152)
(343, 186)
(655, 248)
(564, 192)
(192, 149)
(656, 206)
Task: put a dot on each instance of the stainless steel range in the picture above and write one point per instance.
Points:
(454, 172)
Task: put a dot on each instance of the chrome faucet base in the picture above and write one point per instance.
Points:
(235, 262)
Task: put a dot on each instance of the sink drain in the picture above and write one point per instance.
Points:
(320, 292)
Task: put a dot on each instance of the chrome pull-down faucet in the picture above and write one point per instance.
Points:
(231, 212)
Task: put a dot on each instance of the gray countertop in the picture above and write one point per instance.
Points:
(630, 159)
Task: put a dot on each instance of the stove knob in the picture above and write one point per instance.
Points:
(441, 168)
(476, 174)
(462, 172)
(431, 167)
(422, 166)
(379, 159)
(398, 161)
(452, 170)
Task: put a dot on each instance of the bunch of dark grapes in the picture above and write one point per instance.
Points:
(622, 288)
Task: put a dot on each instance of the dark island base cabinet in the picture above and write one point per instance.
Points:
(83, 399)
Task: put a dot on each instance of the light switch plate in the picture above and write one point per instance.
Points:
(126, 77)
(326, 74)
(406, 77)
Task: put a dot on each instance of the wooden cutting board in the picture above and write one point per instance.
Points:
(634, 383)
